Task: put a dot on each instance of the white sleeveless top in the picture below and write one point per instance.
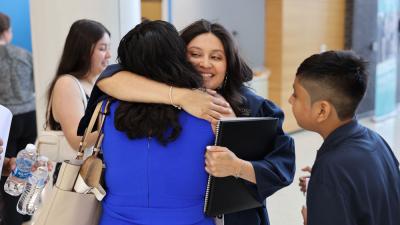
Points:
(83, 94)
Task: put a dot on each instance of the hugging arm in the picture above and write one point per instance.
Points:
(131, 87)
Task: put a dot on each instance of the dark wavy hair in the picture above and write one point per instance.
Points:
(237, 71)
(154, 50)
(76, 57)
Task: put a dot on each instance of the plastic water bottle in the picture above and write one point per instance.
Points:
(16, 181)
(30, 198)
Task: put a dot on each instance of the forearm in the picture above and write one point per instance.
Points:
(130, 87)
(74, 140)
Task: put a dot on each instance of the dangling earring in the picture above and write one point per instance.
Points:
(225, 81)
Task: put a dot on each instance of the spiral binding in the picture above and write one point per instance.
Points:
(217, 129)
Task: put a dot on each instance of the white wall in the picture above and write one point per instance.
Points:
(50, 23)
(244, 17)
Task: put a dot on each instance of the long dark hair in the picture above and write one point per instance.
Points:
(154, 50)
(237, 70)
(76, 57)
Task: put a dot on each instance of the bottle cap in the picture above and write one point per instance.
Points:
(30, 147)
(42, 158)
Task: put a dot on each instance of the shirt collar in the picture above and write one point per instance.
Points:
(339, 135)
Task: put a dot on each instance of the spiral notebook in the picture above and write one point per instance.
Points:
(250, 138)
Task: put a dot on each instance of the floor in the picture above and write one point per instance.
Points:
(284, 206)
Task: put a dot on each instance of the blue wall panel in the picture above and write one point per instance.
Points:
(18, 11)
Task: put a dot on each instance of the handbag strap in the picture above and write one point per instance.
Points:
(99, 140)
(49, 104)
(99, 115)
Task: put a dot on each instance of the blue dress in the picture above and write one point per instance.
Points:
(151, 184)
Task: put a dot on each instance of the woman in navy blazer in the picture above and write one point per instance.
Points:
(211, 50)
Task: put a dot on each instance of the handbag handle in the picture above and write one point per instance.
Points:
(100, 115)
(102, 118)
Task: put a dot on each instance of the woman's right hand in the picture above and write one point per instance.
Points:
(9, 165)
(203, 104)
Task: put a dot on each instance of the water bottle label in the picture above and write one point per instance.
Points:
(24, 167)
(21, 174)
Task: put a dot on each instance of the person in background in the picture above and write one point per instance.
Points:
(355, 179)
(85, 55)
(17, 94)
(212, 51)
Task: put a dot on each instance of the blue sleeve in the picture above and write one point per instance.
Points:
(327, 206)
(277, 168)
(96, 96)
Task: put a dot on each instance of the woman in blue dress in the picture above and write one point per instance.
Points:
(154, 153)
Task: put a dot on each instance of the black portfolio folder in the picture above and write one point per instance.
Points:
(250, 138)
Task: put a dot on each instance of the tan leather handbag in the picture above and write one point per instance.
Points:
(75, 198)
(54, 145)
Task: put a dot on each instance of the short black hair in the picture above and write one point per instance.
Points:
(4, 23)
(339, 77)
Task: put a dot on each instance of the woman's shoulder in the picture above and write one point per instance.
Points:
(66, 79)
(250, 95)
(259, 106)
(66, 84)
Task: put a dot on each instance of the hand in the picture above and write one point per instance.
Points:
(221, 162)
(303, 179)
(202, 104)
(8, 166)
(49, 166)
(227, 114)
(221, 99)
(49, 169)
(304, 214)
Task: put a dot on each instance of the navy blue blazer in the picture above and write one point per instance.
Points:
(355, 180)
(274, 172)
